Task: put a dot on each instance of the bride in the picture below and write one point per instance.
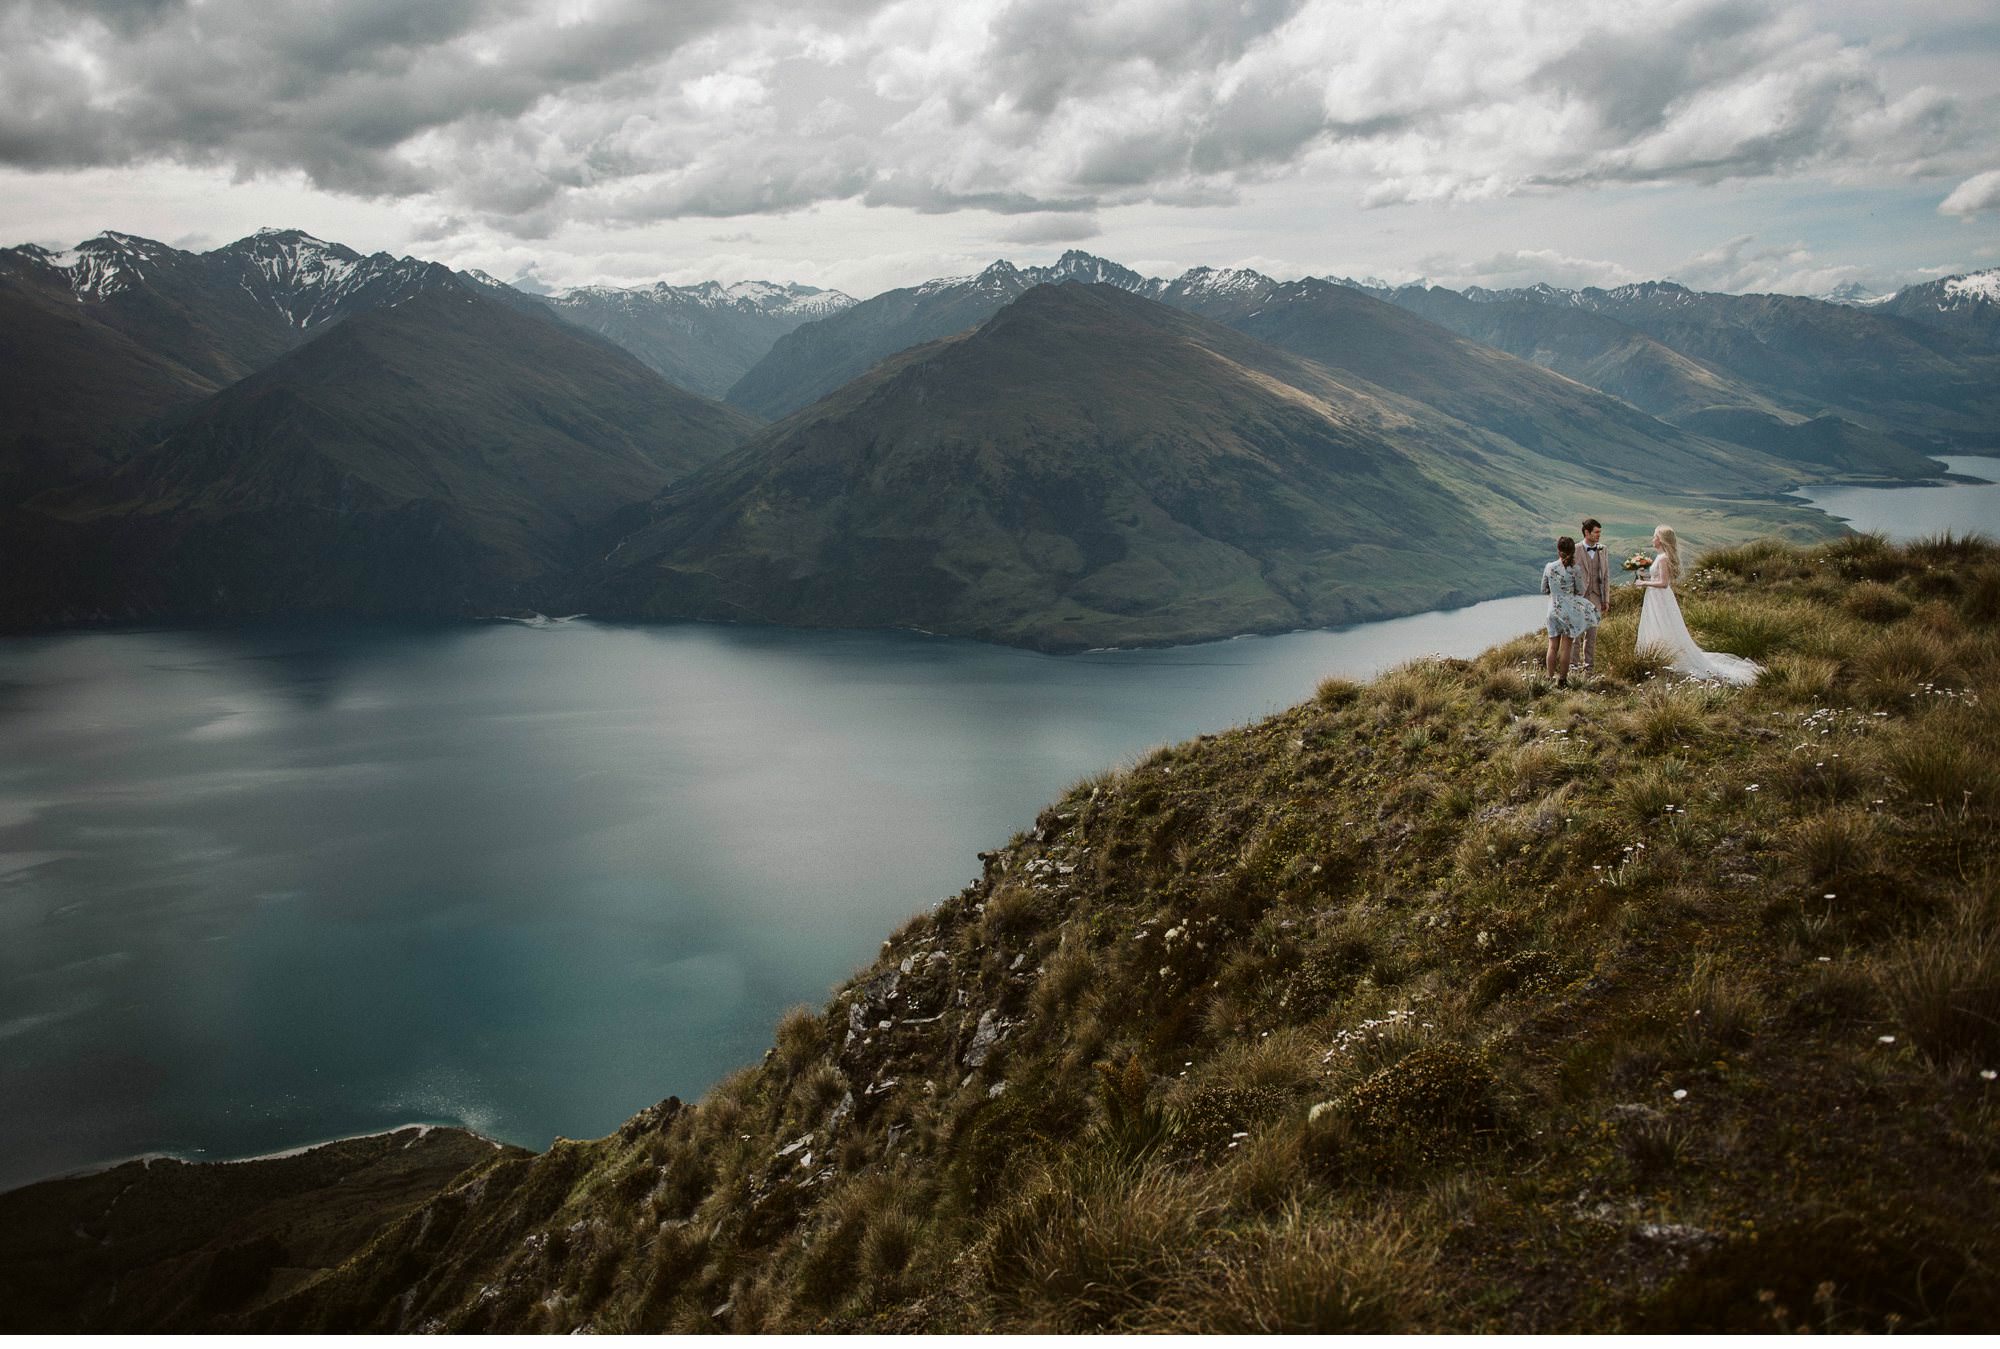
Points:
(1662, 628)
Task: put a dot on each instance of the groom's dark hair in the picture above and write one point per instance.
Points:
(1590, 523)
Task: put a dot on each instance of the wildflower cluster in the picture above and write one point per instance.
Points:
(1379, 1028)
(1927, 689)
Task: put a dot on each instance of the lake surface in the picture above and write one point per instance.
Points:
(269, 887)
(1905, 513)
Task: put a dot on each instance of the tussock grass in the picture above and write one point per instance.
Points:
(1873, 602)
(1943, 984)
(1310, 1273)
(1096, 1245)
(1800, 679)
(1669, 716)
(1747, 629)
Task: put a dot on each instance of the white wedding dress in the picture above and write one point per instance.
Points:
(1661, 627)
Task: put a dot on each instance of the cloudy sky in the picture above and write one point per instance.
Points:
(1728, 144)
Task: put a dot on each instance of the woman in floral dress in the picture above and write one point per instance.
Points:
(1570, 614)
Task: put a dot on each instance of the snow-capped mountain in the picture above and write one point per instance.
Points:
(301, 280)
(701, 337)
(1857, 293)
(310, 281)
(99, 268)
(1967, 304)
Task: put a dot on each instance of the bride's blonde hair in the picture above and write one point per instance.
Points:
(1671, 546)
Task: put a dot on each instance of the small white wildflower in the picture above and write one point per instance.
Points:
(1988, 1074)
(1885, 1039)
(1680, 1093)
(1826, 960)
(1827, 895)
(1318, 1110)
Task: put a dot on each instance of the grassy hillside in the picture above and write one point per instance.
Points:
(1452, 1001)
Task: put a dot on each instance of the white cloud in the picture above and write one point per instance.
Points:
(1524, 267)
(1743, 265)
(1977, 194)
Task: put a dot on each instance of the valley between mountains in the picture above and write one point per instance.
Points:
(1057, 457)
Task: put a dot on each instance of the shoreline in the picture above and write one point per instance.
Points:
(423, 1129)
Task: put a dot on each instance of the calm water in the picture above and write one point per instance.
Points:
(1905, 513)
(265, 888)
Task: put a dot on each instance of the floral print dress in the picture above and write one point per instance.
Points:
(1570, 614)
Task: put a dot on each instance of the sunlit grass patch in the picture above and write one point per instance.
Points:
(1669, 716)
(1800, 679)
(1760, 560)
(1750, 626)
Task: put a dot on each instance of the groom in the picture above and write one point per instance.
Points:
(1593, 575)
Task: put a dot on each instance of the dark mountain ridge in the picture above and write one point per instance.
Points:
(440, 455)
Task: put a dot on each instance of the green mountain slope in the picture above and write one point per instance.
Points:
(1449, 1002)
(812, 361)
(1092, 468)
(1810, 357)
(1546, 406)
(443, 455)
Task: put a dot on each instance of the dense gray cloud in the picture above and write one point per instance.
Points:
(523, 115)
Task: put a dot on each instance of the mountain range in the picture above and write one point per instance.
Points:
(283, 425)
(703, 338)
(1831, 387)
(1090, 467)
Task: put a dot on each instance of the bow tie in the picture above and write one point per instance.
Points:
(1590, 548)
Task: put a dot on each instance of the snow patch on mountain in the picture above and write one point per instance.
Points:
(757, 297)
(1972, 288)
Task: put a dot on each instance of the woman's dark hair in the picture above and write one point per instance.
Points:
(1566, 547)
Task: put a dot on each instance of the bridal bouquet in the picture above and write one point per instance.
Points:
(1638, 562)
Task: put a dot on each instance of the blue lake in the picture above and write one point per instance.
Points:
(266, 887)
(1905, 513)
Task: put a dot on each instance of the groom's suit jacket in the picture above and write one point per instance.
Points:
(1593, 573)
